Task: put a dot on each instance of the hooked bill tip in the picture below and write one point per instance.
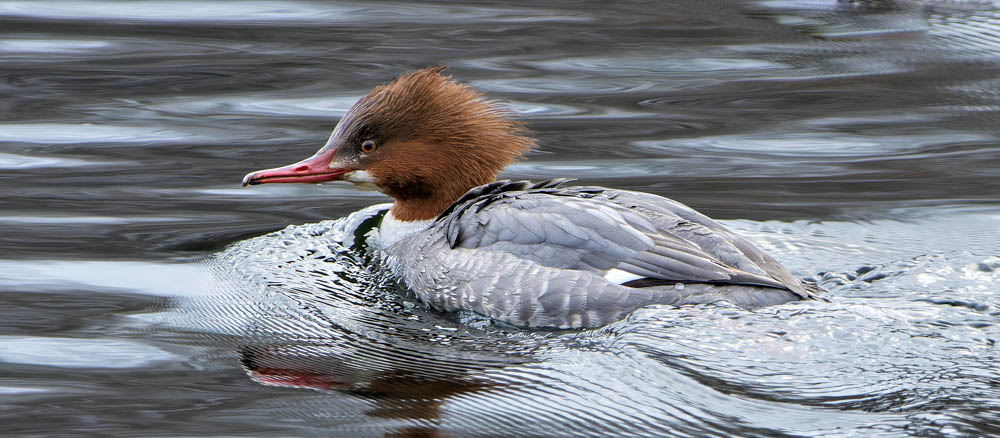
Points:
(248, 179)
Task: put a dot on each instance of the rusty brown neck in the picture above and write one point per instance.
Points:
(419, 210)
(423, 188)
(423, 198)
(435, 196)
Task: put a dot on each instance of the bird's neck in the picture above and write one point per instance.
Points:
(411, 210)
(392, 229)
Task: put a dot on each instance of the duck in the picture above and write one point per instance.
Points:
(546, 254)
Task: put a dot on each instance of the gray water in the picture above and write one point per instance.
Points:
(141, 293)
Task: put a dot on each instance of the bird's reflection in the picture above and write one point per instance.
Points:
(412, 391)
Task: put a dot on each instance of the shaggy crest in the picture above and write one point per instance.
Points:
(427, 106)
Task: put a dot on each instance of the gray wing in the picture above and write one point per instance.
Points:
(715, 239)
(596, 230)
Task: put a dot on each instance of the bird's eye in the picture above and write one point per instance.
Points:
(368, 146)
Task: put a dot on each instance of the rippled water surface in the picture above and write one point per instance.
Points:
(141, 293)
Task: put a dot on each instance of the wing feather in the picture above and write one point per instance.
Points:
(595, 229)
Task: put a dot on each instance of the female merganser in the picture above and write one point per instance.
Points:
(528, 254)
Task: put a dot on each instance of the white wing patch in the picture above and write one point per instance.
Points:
(618, 276)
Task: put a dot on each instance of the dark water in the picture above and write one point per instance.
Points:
(856, 141)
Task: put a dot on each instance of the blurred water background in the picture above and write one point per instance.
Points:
(856, 141)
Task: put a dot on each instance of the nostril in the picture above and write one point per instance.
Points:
(302, 168)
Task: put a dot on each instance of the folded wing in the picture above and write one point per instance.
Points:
(596, 229)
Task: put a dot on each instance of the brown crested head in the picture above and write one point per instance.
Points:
(435, 140)
(422, 139)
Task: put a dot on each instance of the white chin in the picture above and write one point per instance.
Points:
(361, 180)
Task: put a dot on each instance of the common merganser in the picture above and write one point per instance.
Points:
(540, 254)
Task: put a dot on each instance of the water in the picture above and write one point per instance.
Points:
(855, 141)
